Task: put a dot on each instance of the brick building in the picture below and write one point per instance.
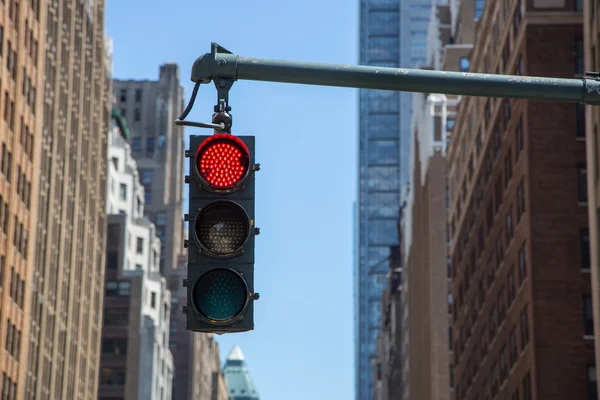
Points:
(522, 320)
(591, 22)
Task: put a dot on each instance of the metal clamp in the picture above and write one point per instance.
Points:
(221, 119)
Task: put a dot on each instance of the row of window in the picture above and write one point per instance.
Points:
(117, 288)
(501, 367)
(31, 44)
(17, 287)
(29, 91)
(112, 376)
(116, 316)
(9, 388)
(123, 95)
(136, 144)
(23, 187)
(137, 114)
(21, 238)
(114, 347)
(13, 340)
(26, 139)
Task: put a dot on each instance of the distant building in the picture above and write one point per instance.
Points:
(392, 34)
(151, 108)
(135, 359)
(239, 383)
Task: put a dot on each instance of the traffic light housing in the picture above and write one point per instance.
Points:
(220, 276)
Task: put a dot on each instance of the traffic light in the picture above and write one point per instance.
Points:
(220, 276)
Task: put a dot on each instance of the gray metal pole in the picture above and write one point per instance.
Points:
(222, 64)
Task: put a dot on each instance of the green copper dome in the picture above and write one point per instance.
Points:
(239, 383)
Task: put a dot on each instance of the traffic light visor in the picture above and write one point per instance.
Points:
(223, 161)
(222, 228)
(220, 295)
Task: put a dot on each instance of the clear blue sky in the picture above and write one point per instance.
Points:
(302, 345)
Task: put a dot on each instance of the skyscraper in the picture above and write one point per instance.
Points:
(65, 42)
(239, 383)
(392, 34)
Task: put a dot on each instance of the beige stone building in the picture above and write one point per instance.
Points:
(55, 96)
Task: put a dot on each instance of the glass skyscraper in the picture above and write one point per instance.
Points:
(392, 34)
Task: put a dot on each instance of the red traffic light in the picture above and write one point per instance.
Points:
(223, 161)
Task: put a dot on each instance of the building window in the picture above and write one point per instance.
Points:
(153, 300)
(136, 144)
(510, 285)
(123, 95)
(592, 388)
(579, 7)
(138, 95)
(507, 167)
(123, 191)
(584, 248)
(519, 138)
(522, 263)
(520, 201)
(479, 4)
(588, 316)
(580, 116)
(582, 186)
(139, 246)
(148, 197)
(450, 122)
(161, 218)
(116, 347)
(150, 145)
(527, 387)
(579, 64)
(137, 115)
(524, 319)
(115, 162)
(112, 376)
(147, 176)
(509, 225)
(112, 260)
(512, 346)
(117, 288)
(464, 64)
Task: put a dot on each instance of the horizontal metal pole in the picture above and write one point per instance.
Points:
(221, 64)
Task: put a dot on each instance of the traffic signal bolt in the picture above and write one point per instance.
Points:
(256, 167)
(186, 244)
(185, 281)
(256, 231)
(255, 296)
(187, 179)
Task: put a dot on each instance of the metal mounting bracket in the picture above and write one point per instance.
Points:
(221, 119)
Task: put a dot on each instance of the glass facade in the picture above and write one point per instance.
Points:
(392, 34)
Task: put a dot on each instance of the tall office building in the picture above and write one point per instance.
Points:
(69, 115)
(151, 108)
(20, 128)
(522, 306)
(136, 362)
(392, 34)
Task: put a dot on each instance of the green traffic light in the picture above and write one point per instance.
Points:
(220, 295)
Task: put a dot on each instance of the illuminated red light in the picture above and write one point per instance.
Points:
(222, 161)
